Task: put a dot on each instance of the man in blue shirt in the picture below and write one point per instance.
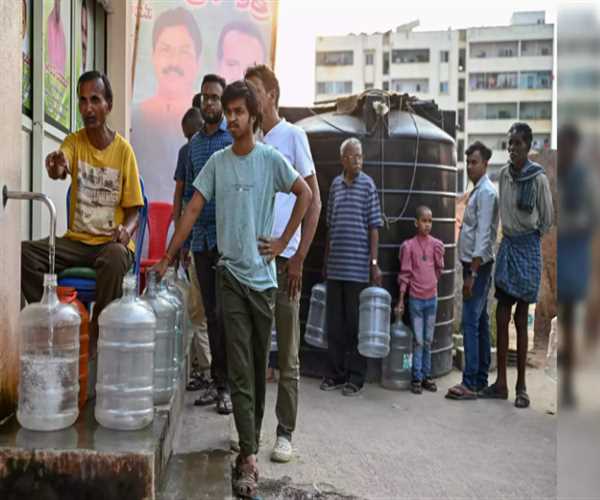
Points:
(476, 253)
(243, 180)
(212, 137)
(190, 124)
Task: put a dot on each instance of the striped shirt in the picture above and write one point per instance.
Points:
(352, 210)
(202, 147)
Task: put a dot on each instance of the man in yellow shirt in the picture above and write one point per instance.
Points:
(106, 195)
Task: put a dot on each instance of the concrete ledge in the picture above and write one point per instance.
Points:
(87, 460)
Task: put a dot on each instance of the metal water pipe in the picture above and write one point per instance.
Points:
(26, 195)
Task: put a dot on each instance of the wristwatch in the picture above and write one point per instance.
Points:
(373, 262)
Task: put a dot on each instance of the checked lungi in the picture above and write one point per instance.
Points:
(519, 266)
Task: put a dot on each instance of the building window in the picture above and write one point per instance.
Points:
(386, 63)
(369, 58)
(411, 85)
(493, 111)
(368, 86)
(334, 88)
(444, 56)
(462, 58)
(536, 79)
(493, 49)
(493, 81)
(496, 142)
(444, 88)
(335, 58)
(461, 119)
(407, 56)
(540, 142)
(460, 181)
(535, 111)
(534, 48)
(460, 150)
(386, 85)
(461, 90)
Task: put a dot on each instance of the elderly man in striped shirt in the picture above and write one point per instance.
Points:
(353, 222)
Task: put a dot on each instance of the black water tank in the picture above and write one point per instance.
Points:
(413, 162)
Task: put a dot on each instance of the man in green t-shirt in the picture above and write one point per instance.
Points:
(243, 179)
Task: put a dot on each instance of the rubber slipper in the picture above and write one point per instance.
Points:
(460, 392)
(492, 392)
(522, 399)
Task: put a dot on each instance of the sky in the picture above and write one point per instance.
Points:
(301, 21)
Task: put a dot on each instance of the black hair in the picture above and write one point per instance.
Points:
(523, 129)
(93, 75)
(192, 115)
(249, 29)
(241, 89)
(212, 78)
(177, 17)
(484, 151)
(267, 76)
(197, 100)
(420, 211)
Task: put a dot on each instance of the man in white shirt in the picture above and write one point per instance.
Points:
(291, 141)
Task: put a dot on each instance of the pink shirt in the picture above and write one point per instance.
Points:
(421, 265)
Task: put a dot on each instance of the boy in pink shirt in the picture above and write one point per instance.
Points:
(421, 264)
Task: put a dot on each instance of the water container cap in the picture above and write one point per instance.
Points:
(375, 291)
(66, 293)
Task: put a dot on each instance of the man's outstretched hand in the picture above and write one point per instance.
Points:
(57, 165)
(161, 267)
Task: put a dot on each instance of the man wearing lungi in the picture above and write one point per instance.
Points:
(526, 215)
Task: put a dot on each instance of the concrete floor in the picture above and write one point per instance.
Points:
(385, 444)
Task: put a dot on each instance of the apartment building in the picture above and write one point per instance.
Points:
(491, 76)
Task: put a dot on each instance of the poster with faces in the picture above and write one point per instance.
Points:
(176, 43)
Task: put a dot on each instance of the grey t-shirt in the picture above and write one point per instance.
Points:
(244, 190)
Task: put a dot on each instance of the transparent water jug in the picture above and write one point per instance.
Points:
(165, 369)
(125, 380)
(49, 362)
(181, 282)
(315, 333)
(374, 322)
(167, 293)
(396, 367)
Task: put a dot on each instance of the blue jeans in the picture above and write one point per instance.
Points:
(476, 331)
(422, 318)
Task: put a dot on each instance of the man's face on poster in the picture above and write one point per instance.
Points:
(240, 51)
(175, 61)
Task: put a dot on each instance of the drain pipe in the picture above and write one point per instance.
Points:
(26, 195)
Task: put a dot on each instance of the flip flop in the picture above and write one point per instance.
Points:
(460, 393)
(492, 392)
(224, 404)
(245, 480)
(351, 389)
(522, 399)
